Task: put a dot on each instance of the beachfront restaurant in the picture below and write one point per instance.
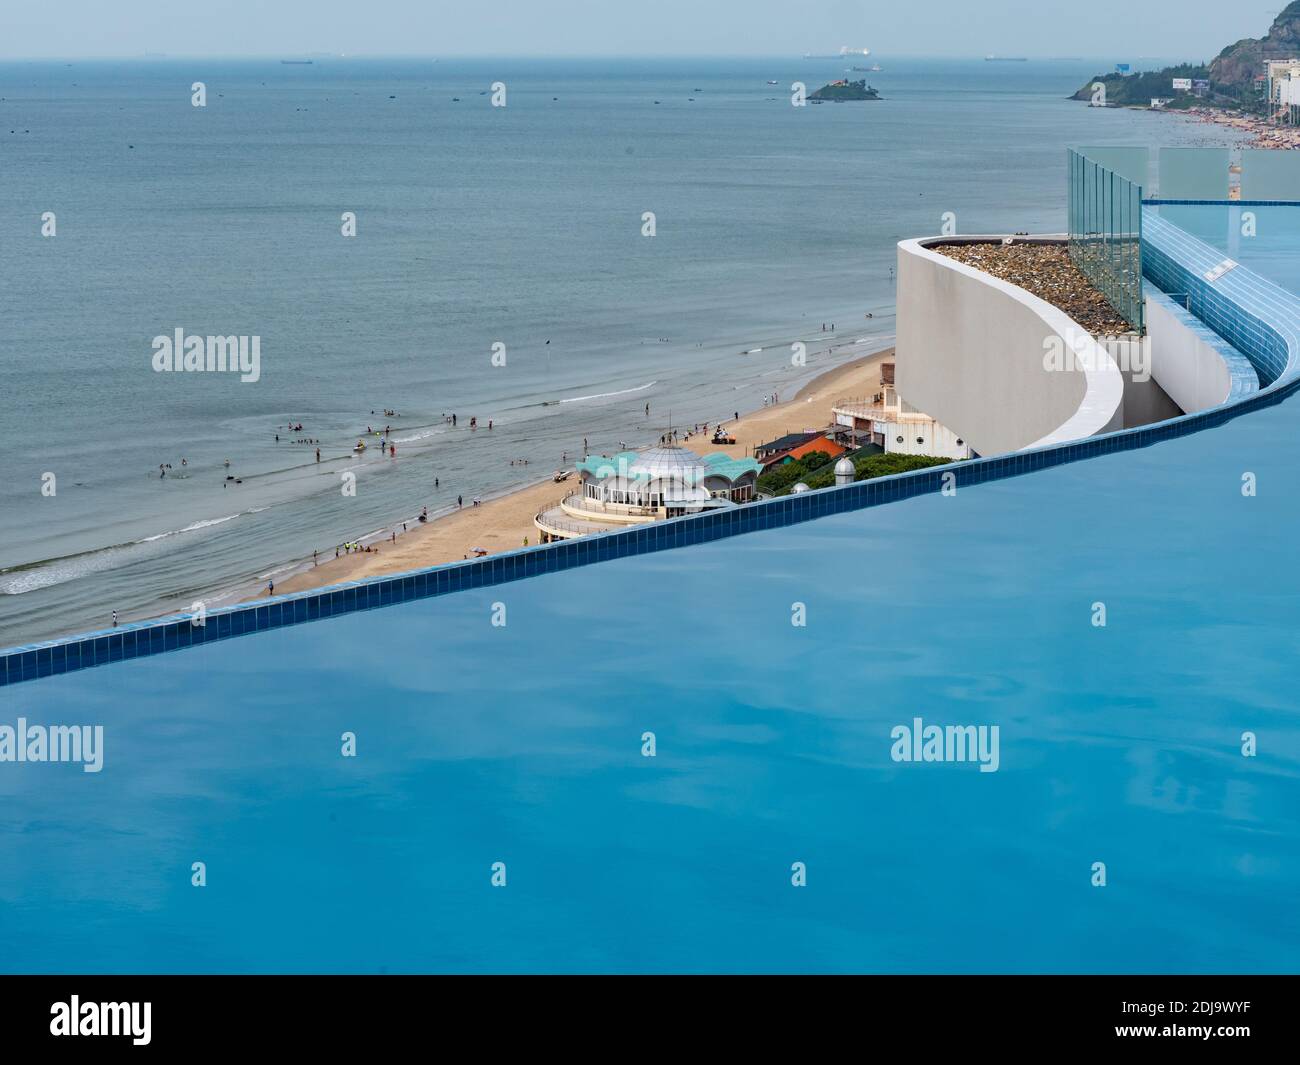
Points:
(631, 488)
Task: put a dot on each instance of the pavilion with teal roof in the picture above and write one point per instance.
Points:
(634, 487)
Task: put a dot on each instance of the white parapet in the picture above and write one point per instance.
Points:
(975, 352)
(1196, 368)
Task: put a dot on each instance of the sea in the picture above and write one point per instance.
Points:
(577, 250)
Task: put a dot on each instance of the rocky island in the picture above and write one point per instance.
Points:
(846, 90)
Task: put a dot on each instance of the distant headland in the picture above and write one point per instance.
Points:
(1232, 81)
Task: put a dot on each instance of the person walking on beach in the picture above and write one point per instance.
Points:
(459, 501)
(318, 454)
(114, 619)
(270, 587)
(315, 557)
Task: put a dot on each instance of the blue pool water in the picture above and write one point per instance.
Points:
(1265, 238)
(522, 744)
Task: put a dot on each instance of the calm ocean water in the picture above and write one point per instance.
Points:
(476, 225)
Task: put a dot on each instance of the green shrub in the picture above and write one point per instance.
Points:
(865, 469)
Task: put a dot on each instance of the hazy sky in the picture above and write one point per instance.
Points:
(1120, 29)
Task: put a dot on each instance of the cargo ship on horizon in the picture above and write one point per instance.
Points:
(843, 53)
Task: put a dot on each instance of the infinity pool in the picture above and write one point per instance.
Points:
(1264, 238)
(522, 744)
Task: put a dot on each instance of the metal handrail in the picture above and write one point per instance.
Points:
(597, 506)
(566, 526)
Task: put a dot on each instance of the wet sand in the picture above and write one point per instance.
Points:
(502, 524)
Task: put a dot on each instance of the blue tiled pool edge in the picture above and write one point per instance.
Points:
(1253, 315)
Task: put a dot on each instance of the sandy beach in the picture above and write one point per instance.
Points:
(502, 524)
(1262, 133)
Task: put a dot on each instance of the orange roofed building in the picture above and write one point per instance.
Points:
(828, 447)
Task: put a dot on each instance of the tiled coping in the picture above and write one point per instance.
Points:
(1252, 314)
(1157, 202)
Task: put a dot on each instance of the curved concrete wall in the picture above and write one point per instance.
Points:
(971, 350)
(1193, 365)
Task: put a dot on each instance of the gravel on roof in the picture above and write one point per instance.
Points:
(1046, 271)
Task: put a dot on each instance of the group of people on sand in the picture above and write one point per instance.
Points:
(350, 547)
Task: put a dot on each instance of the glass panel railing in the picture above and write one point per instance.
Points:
(1194, 173)
(1105, 239)
(1270, 174)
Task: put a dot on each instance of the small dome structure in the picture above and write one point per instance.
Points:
(675, 463)
(800, 487)
(844, 471)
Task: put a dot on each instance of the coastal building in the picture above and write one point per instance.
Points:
(1284, 92)
(818, 443)
(888, 421)
(1282, 78)
(782, 444)
(1027, 342)
(636, 487)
